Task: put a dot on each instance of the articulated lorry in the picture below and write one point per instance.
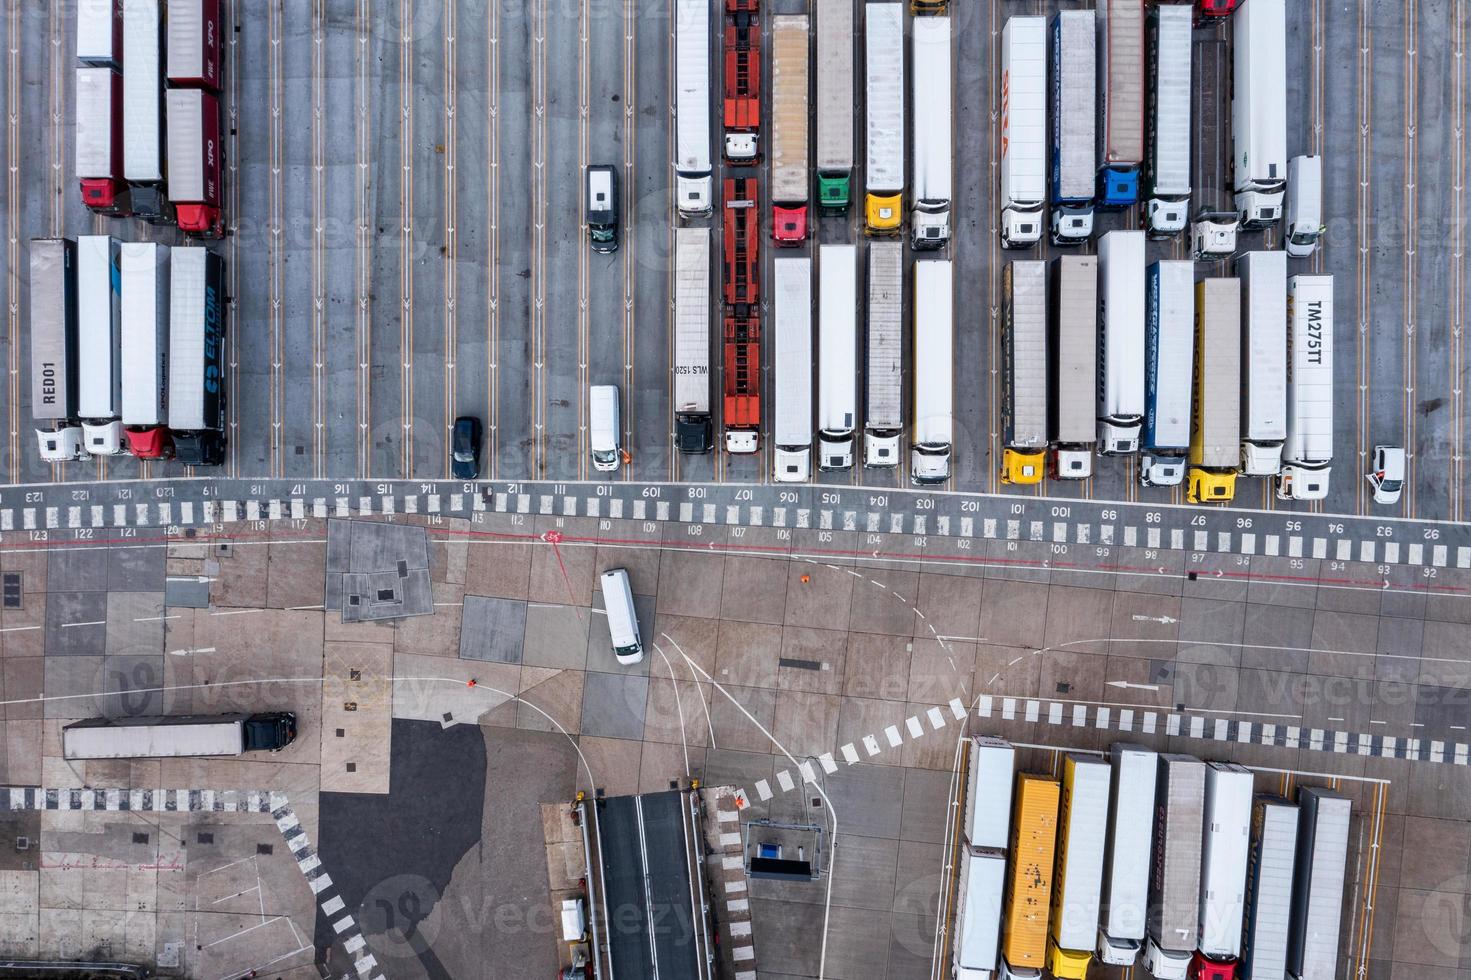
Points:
(934, 290)
(1072, 358)
(691, 384)
(196, 356)
(1174, 879)
(1029, 884)
(1023, 130)
(1024, 372)
(195, 162)
(1121, 346)
(1121, 71)
(834, 105)
(883, 372)
(1264, 374)
(1259, 111)
(741, 325)
(143, 111)
(930, 220)
(789, 153)
(1169, 359)
(792, 371)
(982, 881)
(1225, 848)
(741, 107)
(1073, 125)
(54, 348)
(837, 353)
(1215, 419)
(99, 343)
(692, 190)
(1213, 217)
(194, 36)
(99, 140)
(1317, 884)
(1268, 908)
(1167, 210)
(145, 349)
(991, 764)
(177, 736)
(1082, 836)
(1307, 455)
(883, 65)
(1126, 880)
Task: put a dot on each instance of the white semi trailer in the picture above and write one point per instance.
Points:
(692, 107)
(884, 368)
(930, 220)
(99, 343)
(1307, 455)
(837, 355)
(792, 436)
(1023, 130)
(933, 366)
(1121, 346)
(1259, 111)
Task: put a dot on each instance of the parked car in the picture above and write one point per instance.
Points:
(1388, 476)
(465, 448)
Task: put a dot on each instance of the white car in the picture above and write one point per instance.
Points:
(1388, 476)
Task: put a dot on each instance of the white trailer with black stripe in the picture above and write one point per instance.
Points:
(53, 340)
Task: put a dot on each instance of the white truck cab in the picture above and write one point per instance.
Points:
(791, 465)
(740, 147)
(880, 450)
(60, 445)
(103, 439)
(1071, 226)
(1116, 952)
(929, 465)
(1072, 464)
(1161, 471)
(1213, 236)
(1165, 964)
(1304, 206)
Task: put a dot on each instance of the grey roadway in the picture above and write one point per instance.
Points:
(332, 157)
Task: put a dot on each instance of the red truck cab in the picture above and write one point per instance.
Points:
(1214, 8)
(1202, 967)
(788, 225)
(149, 443)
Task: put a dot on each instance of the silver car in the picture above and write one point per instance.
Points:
(1388, 475)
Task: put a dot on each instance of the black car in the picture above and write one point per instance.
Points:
(465, 448)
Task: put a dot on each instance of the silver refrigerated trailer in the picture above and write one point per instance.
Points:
(837, 355)
(884, 366)
(1317, 885)
(1072, 352)
(177, 736)
(1174, 881)
(53, 338)
(99, 343)
(1125, 899)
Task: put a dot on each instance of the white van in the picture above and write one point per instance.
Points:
(1304, 206)
(622, 617)
(602, 426)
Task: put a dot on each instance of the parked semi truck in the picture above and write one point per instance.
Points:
(196, 356)
(1121, 346)
(98, 155)
(1264, 374)
(1317, 883)
(1174, 877)
(194, 38)
(741, 325)
(1213, 217)
(1023, 130)
(884, 368)
(1029, 884)
(99, 341)
(929, 460)
(982, 883)
(883, 64)
(1307, 455)
(834, 105)
(789, 154)
(1167, 210)
(1268, 908)
(792, 385)
(1259, 111)
(692, 188)
(691, 384)
(741, 108)
(1024, 372)
(1225, 848)
(145, 348)
(1126, 881)
(100, 32)
(195, 161)
(1215, 420)
(1072, 358)
(53, 331)
(143, 111)
(930, 220)
(1073, 125)
(1078, 880)
(1169, 360)
(990, 767)
(1121, 70)
(177, 736)
(837, 352)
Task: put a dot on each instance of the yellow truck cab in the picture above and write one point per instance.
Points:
(1067, 964)
(1022, 467)
(1210, 486)
(1215, 416)
(883, 213)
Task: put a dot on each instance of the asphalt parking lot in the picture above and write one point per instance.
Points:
(406, 246)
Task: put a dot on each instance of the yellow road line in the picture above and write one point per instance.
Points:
(630, 146)
(584, 340)
(1365, 98)
(364, 158)
(1458, 268)
(451, 239)
(55, 98)
(669, 137)
(492, 257)
(991, 323)
(277, 259)
(12, 221)
(1412, 218)
(539, 232)
(232, 247)
(319, 196)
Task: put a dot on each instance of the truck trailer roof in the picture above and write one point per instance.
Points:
(1074, 118)
(884, 105)
(1169, 353)
(1024, 355)
(835, 84)
(691, 321)
(1073, 349)
(884, 370)
(792, 365)
(1310, 370)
